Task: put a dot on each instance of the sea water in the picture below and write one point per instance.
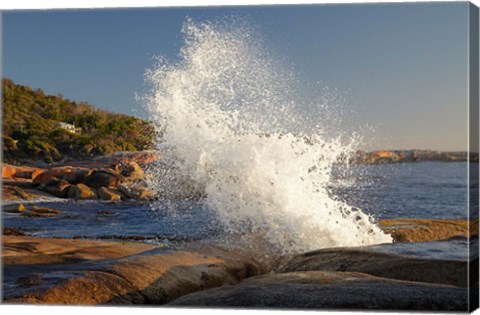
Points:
(383, 191)
(433, 190)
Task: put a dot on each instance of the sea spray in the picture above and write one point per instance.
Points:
(231, 127)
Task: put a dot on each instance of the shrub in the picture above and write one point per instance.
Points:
(32, 118)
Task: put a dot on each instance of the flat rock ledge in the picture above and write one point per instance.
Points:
(388, 265)
(344, 278)
(95, 272)
(85, 272)
(422, 230)
(332, 290)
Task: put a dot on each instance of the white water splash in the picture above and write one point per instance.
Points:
(231, 125)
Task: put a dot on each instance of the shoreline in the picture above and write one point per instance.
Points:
(220, 272)
(120, 177)
(110, 178)
(55, 271)
(357, 157)
(402, 230)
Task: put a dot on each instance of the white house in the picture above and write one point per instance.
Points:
(69, 127)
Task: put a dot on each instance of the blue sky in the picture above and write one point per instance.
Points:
(400, 68)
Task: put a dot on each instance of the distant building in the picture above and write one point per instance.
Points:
(70, 127)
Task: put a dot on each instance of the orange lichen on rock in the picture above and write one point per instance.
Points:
(25, 172)
(383, 154)
(422, 230)
(130, 273)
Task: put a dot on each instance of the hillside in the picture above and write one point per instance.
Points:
(32, 127)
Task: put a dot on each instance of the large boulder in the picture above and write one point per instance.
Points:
(67, 173)
(42, 178)
(77, 176)
(25, 172)
(57, 187)
(382, 157)
(8, 171)
(129, 169)
(61, 171)
(14, 208)
(136, 192)
(81, 191)
(104, 178)
(36, 172)
(28, 173)
(330, 290)
(110, 194)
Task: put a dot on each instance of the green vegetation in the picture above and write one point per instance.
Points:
(31, 127)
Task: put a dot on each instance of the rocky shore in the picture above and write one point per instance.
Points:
(120, 177)
(58, 271)
(123, 269)
(112, 178)
(347, 278)
(91, 272)
(87, 272)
